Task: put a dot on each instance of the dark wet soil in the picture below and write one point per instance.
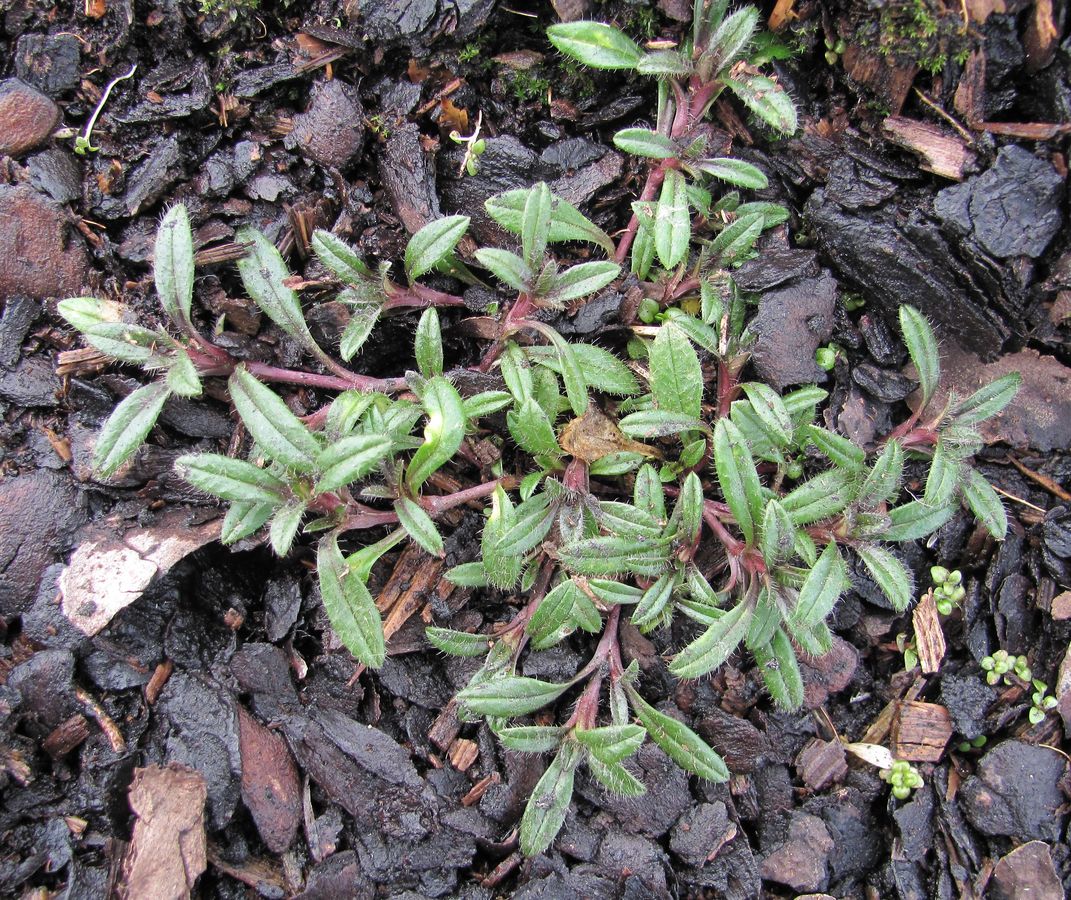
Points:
(322, 782)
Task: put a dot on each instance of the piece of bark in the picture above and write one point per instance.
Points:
(271, 789)
(168, 852)
(1061, 606)
(463, 753)
(1040, 37)
(889, 81)
(409, 586)
(921, 731)
(969, 100)
(929, 636)
(66, 736)
(821, 763)
(942, 153)
(445, 727)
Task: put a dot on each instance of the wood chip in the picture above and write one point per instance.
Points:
(463, 753)
(66, 736)
(480, 788)
(271, 789)
(969, 100)
(1061, 606)
(921, 731)
(942, 153)
(821, 763)
(1040, 36)
(260, 874)
(159, 678)
(413, 579)
(890, 82)
(445, 727)
(168, 851)
(929, 635)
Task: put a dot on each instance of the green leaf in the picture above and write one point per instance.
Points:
(572, 375)
(567, 223)
(613, 555)
(263, 272)
(85, 312)
(614, 593)
(842, 452)
(764, 621)
(485, 403)
(595, 44)
(733, 171)
(883, 481)
(729, 40)
(985, 503)
(644, 142)
(457, 643)
(699, 333)
(771, 412)
(628, 521)
(532, 430)
(713, 647)
(738, 477)
(581, 280)
(535, 224)
(230, 479)
(648, 494)
(277, 431)
(548, 624)
(944, 477)
(363, 318)
(821, 497)
(350, 608)
(511, 696)
(429, 344)
(654, 601)
(182, 375)
(530, 738)
(546, 808)
(736, 239)
(602, 370)
(922, 345)
(173, 265)
(339, 257)
(432, 244)
(127, 427)
(665, 63)
(470, 574)
(503, 569)
(772, 213)
(889, 574)
(443, 432)
(916, 520)
(243, 518)
(652, 423)
(419, 526)
(690, 504)
(676, 376)
(532, 521)
(679, 742)
(611, 743)
(988, 400)
(348, 459)
(673, 224)
(129, 343)
(778, 541)
(766, 99)
(616, 778)
(781, 671)
(285, 525)
(507, 267)
(824, 584)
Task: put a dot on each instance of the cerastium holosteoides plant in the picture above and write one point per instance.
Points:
(683, 492)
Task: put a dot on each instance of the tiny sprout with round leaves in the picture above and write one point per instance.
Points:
(826, 357)
(1041, 701)
(903, 777)
(948, 590)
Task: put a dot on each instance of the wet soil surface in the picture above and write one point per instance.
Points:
(185, 720)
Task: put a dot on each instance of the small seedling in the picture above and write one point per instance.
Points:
(1041, 702)
(975, 743)
(903, 777)
(909, 648)
(948, 590)
(474, 148)
(834, 50)
(1003, 665)
(826, 357)
(82, 143)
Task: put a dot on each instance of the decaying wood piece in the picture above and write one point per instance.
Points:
(821, 763)
(66, 736)
(412, 581)
(890, 82)
(168, 851)
(921, 731)
(929, 636)
(942, 153)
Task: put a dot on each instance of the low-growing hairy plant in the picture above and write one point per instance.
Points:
(681, 494)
